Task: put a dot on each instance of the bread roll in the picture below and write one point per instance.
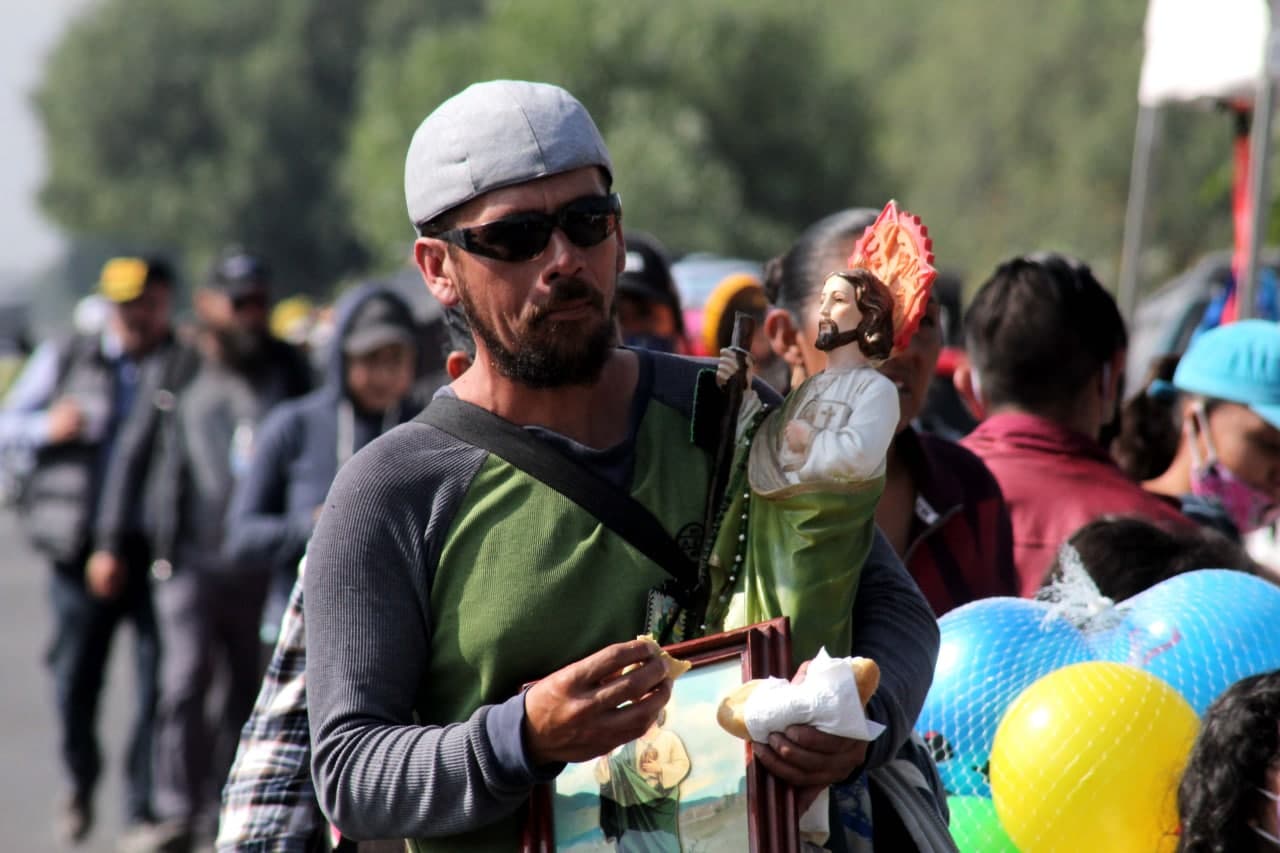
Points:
(730, 714)
(675, 668)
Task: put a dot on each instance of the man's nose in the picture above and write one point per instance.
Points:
(561, 257)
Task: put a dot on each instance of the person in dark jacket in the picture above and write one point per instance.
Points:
(65, 411)
(303, 442)
(178, 461)
(942, 509)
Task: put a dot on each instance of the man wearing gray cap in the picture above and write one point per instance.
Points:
(442, 578)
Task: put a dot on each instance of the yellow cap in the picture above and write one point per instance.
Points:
(738, 291)
(291, 318)
(123, 279)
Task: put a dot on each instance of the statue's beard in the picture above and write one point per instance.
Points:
(830, 337)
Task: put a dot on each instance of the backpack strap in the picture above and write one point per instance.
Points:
(611, 506)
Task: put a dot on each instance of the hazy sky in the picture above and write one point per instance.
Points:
(28, 28)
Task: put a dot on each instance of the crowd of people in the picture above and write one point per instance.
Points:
(343, 572)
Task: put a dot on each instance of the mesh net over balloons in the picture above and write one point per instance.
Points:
(1064, 724)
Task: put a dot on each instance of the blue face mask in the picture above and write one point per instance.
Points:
(657, 343)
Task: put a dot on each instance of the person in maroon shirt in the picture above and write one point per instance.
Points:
(941, 508)
(1046, 347)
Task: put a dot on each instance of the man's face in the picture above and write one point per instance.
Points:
(380, 379)
(838, 314)
(547, 321)
(912, 369)
(143, 322)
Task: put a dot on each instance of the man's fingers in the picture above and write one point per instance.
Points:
(779, 768)
(611, 660)
(809, 738)
(796, 756)
(641, 713)
(632, 686)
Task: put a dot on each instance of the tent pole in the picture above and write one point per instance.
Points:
(1145, 139)
(1260, 157)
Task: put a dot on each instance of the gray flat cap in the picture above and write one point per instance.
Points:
(493, 135)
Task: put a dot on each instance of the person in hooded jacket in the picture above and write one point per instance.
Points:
(367, 390)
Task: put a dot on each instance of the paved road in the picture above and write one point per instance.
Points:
(31, 782)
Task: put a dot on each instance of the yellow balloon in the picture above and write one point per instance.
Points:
(1088, 758)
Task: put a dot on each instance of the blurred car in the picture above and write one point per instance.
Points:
(697, 274)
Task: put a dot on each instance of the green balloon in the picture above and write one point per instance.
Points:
(976, 828)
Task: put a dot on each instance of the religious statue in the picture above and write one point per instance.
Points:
(798, 516)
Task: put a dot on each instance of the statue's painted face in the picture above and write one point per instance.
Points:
(837, 305)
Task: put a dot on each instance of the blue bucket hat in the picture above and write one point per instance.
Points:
(1239, 362)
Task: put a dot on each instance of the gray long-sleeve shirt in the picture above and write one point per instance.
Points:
(378, 773)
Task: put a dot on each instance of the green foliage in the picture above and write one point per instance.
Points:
(283, 126)
(197, 125)
(1008, 126)
(706, 108)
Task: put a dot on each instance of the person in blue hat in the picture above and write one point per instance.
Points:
(1225, 395)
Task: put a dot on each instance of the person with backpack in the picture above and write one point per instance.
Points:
(177, 465)
(66, 410)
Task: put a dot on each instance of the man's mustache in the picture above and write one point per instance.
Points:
(568, 291)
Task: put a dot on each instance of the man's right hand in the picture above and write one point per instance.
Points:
(105, 574)
(66, 421)
(574, 714)
(734, 365)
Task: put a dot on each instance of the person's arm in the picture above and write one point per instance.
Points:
(379, 774)
(258, 527)
(126, 473)
(268, 803)
(24, 418)
(894, 626)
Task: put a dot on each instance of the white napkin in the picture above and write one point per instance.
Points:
(828, 700)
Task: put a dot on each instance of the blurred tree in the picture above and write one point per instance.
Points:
(1008, 126)
(201, 124)
(730, 124)
(733, 123)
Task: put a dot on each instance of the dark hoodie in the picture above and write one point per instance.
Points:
(296, 455)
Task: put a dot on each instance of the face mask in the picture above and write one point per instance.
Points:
(1249, 508)
(1273, 798)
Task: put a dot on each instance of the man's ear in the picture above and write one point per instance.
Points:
(430, 256)
(456, 363)
(784, 340)
(963, 380)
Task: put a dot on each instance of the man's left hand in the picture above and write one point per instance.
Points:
(808, 759)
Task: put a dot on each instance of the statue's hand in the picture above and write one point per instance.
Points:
(734, 363)
(798, 436)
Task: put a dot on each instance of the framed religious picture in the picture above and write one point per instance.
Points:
(686, 785)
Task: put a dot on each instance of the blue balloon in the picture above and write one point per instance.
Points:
(992, 649)
(1201, 632)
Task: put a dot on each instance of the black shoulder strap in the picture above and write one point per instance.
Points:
(614, 508)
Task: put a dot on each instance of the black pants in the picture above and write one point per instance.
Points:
(209, 623)
(84, 627)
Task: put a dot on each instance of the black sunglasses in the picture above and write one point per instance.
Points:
(585, 221)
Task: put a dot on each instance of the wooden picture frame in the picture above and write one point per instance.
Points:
(741, 807)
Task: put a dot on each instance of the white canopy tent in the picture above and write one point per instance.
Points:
(1204, 52)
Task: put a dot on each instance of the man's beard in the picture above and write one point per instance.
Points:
(549, 354)
(243, 349)
(830, 337)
